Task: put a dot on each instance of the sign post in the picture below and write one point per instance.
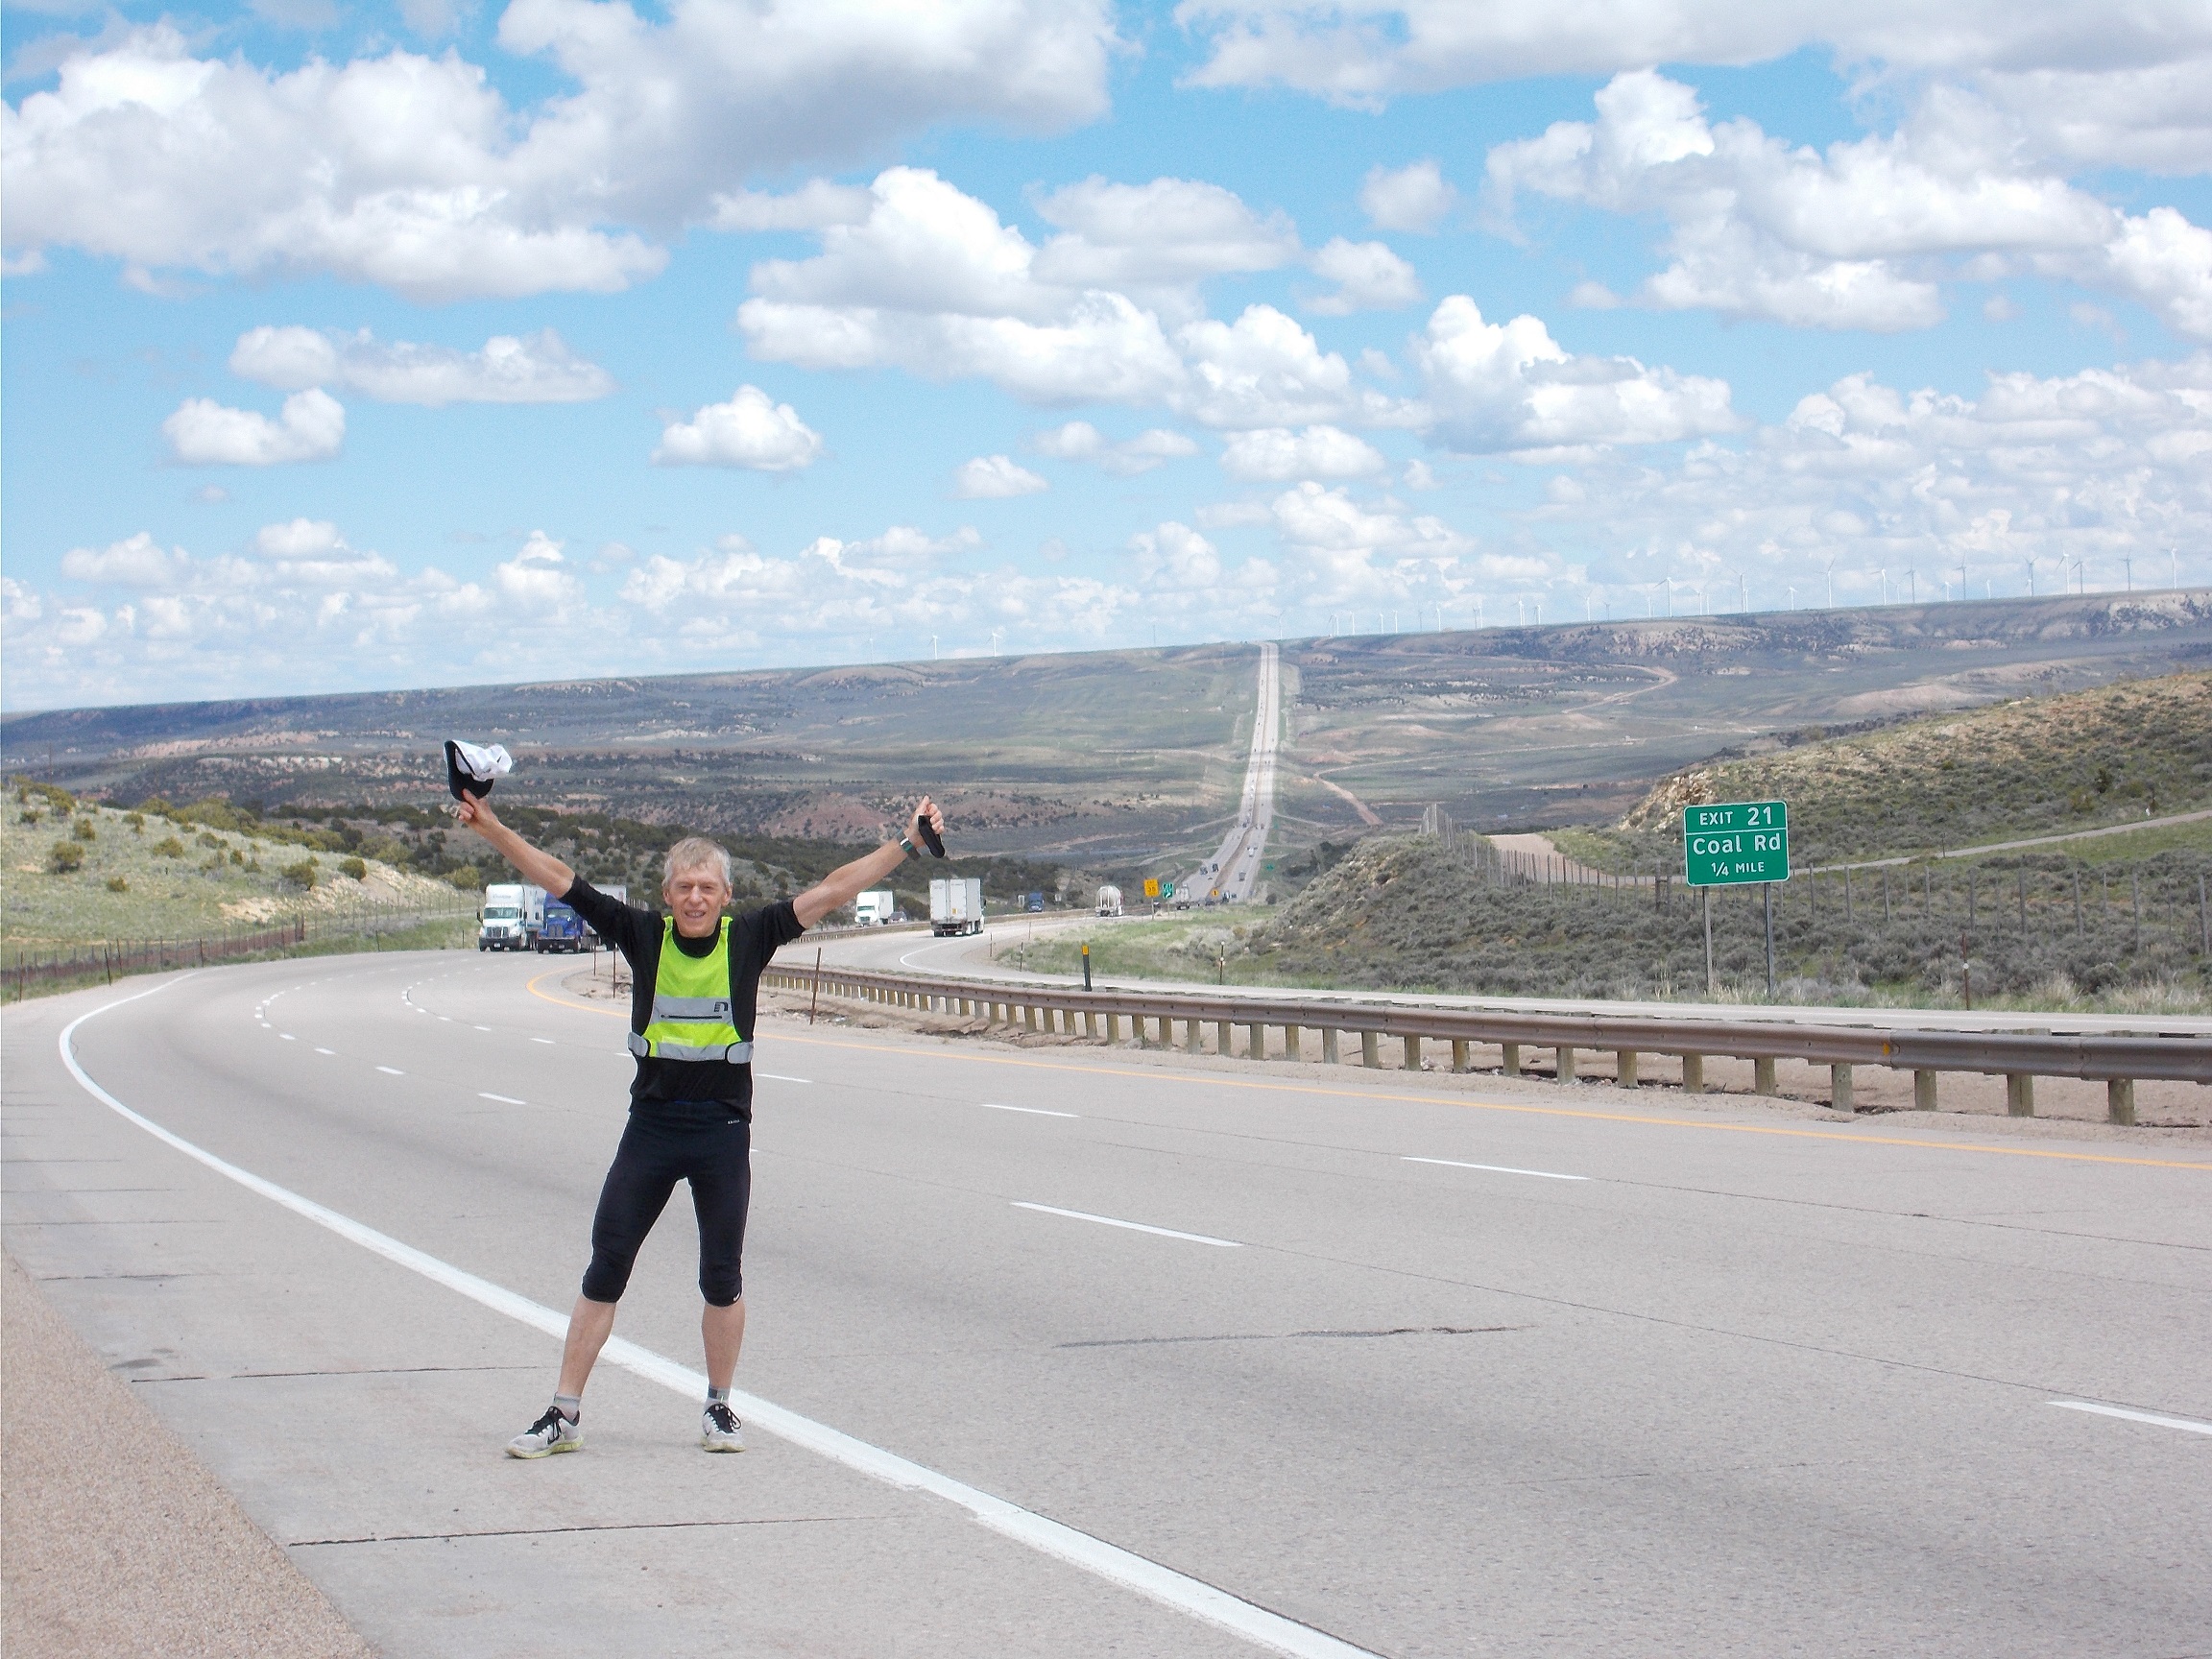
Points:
(1732, 844)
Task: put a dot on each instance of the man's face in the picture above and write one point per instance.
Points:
(695, 898)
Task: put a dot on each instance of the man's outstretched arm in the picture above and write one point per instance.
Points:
(848, 881)
(539, 869)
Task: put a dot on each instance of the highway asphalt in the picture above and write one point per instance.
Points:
(1415, 1370)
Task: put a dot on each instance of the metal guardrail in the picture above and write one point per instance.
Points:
(2119, 1062)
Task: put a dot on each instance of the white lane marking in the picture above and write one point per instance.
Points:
(1033, 1111)
(547, 1041)
(326, 1050)
(483, 1027)
(1133, 1226)
(288, 1037)
(781, 1078)
(1494, 1168)
(1095, 1555)
(390, 1070)
(503, 1099)
(2188, 1424)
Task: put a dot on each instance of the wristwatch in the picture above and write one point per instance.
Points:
(908, 842)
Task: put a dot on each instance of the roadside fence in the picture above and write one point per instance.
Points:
(24, 967)
(1314, 1030)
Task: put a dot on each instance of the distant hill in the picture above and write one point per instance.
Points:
(2029, 768)
(1121, 758)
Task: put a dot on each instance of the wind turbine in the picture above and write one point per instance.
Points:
(1912, 583)
(2030, 561)
(1792, 595)
(2175, 554)
(1885, 584)
(2131, 567)
(1831, 584)
(1962, 579)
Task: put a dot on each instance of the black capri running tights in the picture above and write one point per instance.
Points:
(704, 1142)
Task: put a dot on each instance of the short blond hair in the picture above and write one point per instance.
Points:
(689, 854)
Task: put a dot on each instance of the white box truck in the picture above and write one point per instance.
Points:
(513, 913)
(874, 909)
(1109, 901)
(955, 906)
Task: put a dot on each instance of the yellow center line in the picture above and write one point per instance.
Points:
(1831, 1136)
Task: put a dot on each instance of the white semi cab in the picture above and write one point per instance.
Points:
(874, 909)
(1109, 901)
(955, 906)
(513, 913)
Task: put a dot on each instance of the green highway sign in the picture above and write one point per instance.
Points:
(1734, 843)
(1167, 889)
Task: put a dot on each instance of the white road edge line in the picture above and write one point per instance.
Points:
(1095, 1555)
(1494, 1168)
(1033, 1111)
(1133, 1226)
(503, 1099)
(2189, 1424)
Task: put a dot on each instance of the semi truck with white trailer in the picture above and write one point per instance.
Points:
(1109, 901)
(875, 909)
(955, 906)
(513, 914)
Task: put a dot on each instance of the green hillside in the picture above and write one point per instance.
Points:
(2032, 768)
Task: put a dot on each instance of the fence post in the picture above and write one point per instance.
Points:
(2120, 1101)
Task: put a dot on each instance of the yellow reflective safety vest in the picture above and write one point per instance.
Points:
(691, 1006)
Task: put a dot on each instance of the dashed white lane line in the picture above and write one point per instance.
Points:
(288, 1037)
(326, 1050)
(2188, 1425)
(503, 1099)
(1093, 1555)
(483, 1027)
(390, 1070)
(1132, 1226)
(547, 1041)
(1496, 1169)
(1032, 1111)
(779, 1077)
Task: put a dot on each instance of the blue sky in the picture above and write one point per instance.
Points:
(353, 347)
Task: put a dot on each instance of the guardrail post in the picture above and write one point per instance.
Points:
(1370, 1049)
(2120, 1100)
(1294, 1042)
(1625, 1068)
(2020, 1094)
(1693, 1073)
(1839, 1088)
(1113, 1028)
(1762, 1074)
(1458, 1054)
(1329, 1054)
(1509, 1061)
(1193, 1037)
(1924, 1090)
(1412, 1052)
(1566, 1062)
(1255, 1042)
(1224, 1039)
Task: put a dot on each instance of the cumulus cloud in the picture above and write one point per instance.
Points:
(1511, 387)
(1361, 52)
(1276, 454)
(2094, 467)
(540, 369)
(311, 427)
(815, 206)
(415, 174)
(1415, 198)
(988, 477)
(751, 431)
(1856, 236)
(1154, 241)
(1080, 441)
(1369, 276)
(1263, 369)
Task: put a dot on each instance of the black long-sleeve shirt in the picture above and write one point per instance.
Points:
(755, 937)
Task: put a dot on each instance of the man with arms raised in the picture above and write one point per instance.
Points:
(697, 976)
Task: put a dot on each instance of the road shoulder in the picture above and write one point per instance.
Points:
(116, 1540)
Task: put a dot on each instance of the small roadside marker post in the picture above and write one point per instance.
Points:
(1733, 844)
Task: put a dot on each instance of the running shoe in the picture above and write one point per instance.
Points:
(550, 1433)
(719, 1430)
